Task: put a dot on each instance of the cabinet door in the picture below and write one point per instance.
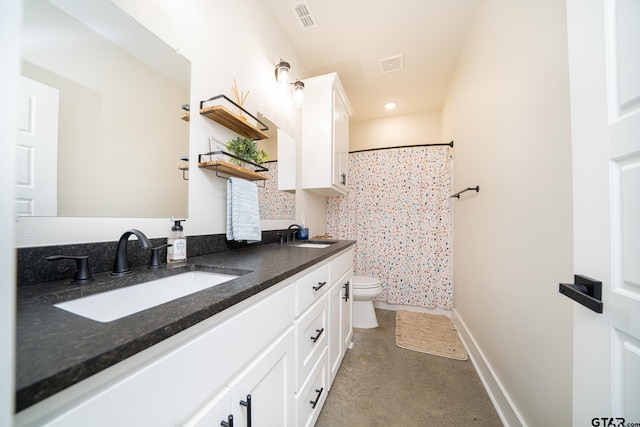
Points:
(340, 322)
(263, 392)
(347, 310)
(216, 410)
(335, 330)
(340, 142)
(325, 136)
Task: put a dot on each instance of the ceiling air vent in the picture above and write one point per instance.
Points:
(304, 15)
(391, 64)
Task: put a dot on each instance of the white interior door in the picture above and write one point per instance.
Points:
(36, 149)
(604, 61)
(623, 34)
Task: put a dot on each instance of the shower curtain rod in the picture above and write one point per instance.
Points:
(450, 144)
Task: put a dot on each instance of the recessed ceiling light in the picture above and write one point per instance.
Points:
(390, 106)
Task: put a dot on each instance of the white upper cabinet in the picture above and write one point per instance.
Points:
(325, 136)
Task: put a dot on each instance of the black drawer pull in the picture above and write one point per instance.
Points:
(315, 402)
(319, 331)
(320, 284)
(346, 291)
(228, 423)
(247, 404)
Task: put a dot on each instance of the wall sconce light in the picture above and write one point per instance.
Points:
(298, 92)
(282, 72)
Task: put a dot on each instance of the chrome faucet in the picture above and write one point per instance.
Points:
(121, 265)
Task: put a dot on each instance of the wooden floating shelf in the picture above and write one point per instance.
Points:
(185, 117)
(227, 168)
(230, 120)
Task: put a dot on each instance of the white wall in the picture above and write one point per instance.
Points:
(508, 111)
(409, 129)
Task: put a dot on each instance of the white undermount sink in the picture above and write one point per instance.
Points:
(118, 303)
(313, 245)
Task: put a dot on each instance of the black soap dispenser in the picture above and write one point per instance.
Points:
(177, 252)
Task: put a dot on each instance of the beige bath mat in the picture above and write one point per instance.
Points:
(428, 333)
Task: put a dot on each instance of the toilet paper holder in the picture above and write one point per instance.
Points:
(585, 291)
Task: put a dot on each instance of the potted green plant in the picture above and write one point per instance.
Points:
(246, 149)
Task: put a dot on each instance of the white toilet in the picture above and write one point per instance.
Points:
(365, 290)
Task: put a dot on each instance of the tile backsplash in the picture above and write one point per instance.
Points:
(275, 204)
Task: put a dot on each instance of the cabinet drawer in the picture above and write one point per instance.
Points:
(311, 287)
(311, 398)
(340, 266)
(311, 339)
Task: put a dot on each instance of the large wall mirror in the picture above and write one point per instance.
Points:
(119, 134)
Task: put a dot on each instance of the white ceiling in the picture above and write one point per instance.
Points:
(353, 35)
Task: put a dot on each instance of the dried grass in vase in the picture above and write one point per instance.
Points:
(240, 98)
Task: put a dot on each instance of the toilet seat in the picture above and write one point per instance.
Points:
(363, 282)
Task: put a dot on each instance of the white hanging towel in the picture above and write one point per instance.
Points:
(243, 213)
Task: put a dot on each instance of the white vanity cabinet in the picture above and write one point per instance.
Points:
(266, 358)
(325, 136)
(340, 311)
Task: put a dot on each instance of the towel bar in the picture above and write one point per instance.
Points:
(476, 189)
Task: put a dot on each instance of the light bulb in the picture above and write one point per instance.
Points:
(298, 93)
(282, 72)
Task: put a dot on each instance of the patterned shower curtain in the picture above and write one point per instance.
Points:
(399, 211)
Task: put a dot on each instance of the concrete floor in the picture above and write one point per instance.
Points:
(380, 384)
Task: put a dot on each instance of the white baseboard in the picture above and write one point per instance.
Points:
(507, 411)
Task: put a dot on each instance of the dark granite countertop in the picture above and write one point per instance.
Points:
(56, 349)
